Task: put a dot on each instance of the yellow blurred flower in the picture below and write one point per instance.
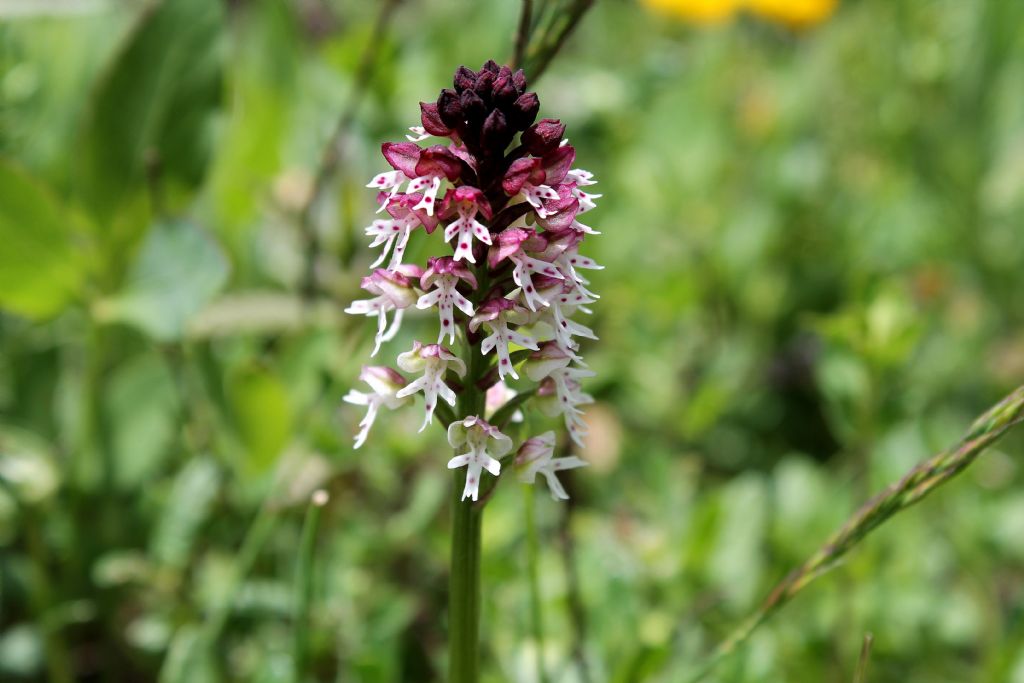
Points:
(698, 11)
(795, 13)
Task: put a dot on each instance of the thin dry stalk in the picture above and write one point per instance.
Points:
(865, 656)
(332, 153)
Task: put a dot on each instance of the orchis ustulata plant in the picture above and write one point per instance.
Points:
(496, 196)
(504, 216)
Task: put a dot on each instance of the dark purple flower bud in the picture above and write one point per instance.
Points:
(520, 172)
(484, 85)
(403, 156)
(490, 65)
(473, 108)
(504, 92)
(431, 120)
(543, 137)
(524, 110)
(464, 78)
(437, 160)
(449, 108)
(496, 133)
(519, 80)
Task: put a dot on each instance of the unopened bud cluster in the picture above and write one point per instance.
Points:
(500, 199)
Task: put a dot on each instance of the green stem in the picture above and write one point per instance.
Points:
(467, 521)
(58, 665)
(533, 560)
(304, 586)
(209, 635)
(464, 594)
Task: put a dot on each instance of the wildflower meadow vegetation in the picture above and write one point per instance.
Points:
(533, 341)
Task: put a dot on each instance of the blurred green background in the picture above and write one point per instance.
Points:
(812, 241)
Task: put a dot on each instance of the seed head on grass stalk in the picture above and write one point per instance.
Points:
(915, 485)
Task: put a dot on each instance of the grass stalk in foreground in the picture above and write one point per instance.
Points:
(304, 585)
(915, 485)
(865, 657)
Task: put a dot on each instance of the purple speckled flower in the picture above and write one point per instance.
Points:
(499, 204)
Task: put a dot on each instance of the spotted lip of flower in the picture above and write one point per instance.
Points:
(384, 383)
(433, 360)
(404, 219)
(534, 177)
(474, 433)
(513, 244)
(444, 274)
(465, 202)
(564, 297)
(497, 313)
(535, 457)
(560, 394)
(425, 169)
(394, 292)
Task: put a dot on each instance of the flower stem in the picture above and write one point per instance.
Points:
(464, 592)
(467, 521)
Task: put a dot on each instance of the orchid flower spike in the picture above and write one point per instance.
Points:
(490, 196)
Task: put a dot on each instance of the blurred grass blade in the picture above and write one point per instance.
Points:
(196, 651)
(304, 585)
(915, 485)
(551, 36)
(187, 508)
(865, 656)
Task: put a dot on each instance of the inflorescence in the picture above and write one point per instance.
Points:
(510, 284)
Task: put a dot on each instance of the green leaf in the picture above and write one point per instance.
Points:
(262, 415)
(188, 506)
(263, 73)
(179, 269)
(41, 270)
(142, 404)
(153, 110)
